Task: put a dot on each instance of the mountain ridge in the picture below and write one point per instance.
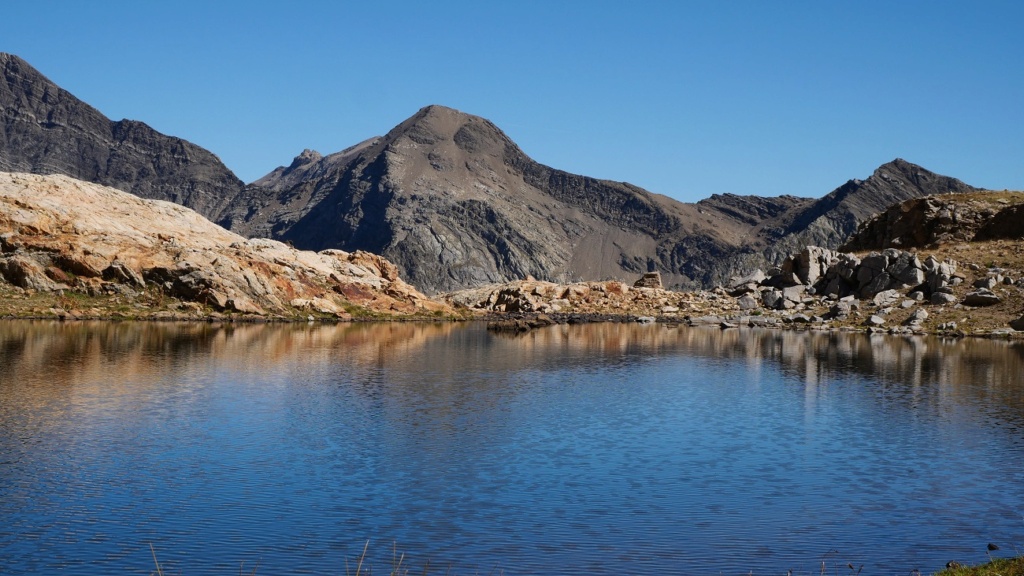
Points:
(447, 196)
(444, 163)
(47, 130)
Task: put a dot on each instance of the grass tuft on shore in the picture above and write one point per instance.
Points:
(997, 567)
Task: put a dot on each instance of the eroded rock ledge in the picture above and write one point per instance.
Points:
(106, 253)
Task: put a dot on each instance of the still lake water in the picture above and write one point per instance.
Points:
(597, 449)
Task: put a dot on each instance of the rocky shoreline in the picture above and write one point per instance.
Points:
(892, 291)
(71, 250)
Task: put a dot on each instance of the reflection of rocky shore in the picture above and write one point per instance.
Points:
(110, 353)
(993, 367)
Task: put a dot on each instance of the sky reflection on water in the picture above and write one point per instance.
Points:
(575, 449)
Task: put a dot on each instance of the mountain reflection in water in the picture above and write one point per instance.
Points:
(603, 448)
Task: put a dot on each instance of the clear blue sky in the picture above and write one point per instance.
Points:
(683, 98)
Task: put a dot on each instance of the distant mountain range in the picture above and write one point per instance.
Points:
(446, 196)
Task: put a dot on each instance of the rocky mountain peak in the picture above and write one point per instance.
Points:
(828, 222)
(899, 172)
(444, 131)
(306, 157)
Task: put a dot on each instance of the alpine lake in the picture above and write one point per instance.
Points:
(446, 449)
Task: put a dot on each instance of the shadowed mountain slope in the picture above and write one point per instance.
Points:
(455, 203)
(46, 130)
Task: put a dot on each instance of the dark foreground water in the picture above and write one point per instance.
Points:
(601, 449)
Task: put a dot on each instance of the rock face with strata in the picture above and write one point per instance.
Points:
(47, 130)
(935, 220)
(57, 233)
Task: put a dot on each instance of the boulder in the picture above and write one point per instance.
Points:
(889, 269)
(938, 274)
(812, 263)
(747, 302)
(794, 293)
(886, 298)
(740, 285)
(1017, 324)
(705, 321)
(243, 305)
(906, 269)
(773, 299)
(988, 283)
(981, 297)
(122, 273)
(840, 310)
(649, 280)
(915, 319)
(514, 299)
(871, 277)
(25, 272)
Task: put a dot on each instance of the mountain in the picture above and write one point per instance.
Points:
(46, 130)
(455, 203)
(446, 196)
(833, 218)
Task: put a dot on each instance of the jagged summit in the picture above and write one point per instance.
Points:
(306, 157)
(833, 218)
